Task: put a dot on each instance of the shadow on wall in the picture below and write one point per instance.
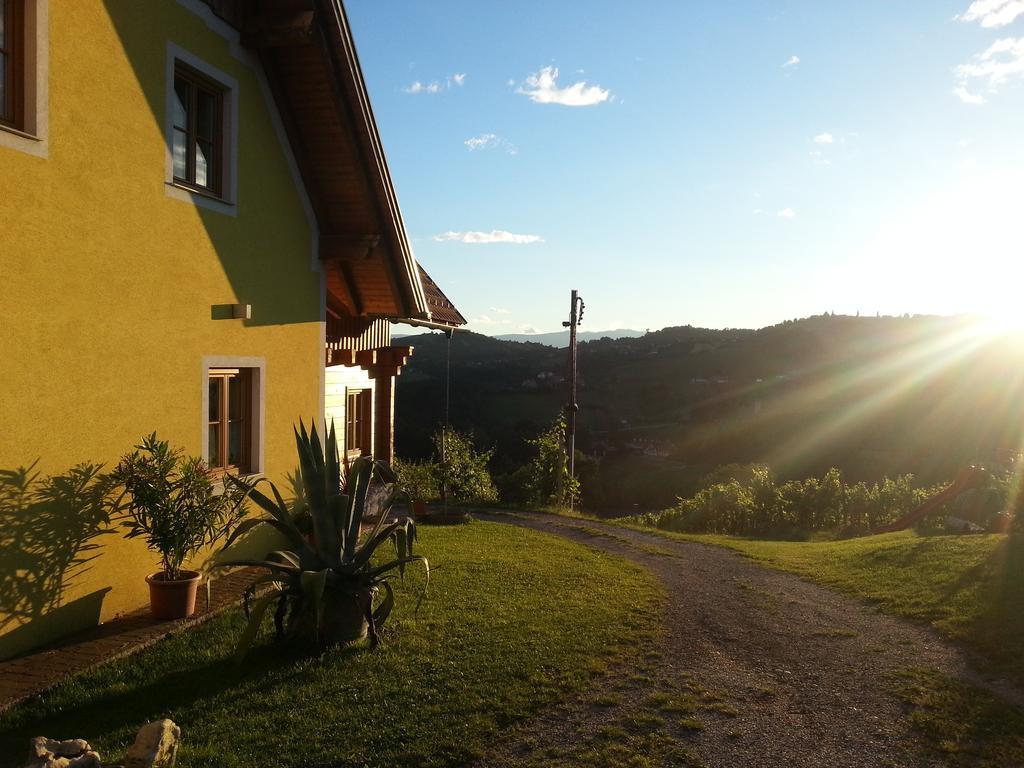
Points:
(48, 527)
(284, 289)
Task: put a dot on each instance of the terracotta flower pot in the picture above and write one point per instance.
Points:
(173, 599)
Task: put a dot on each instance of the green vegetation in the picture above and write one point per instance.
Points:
(748, 501)
(485, 650)
(544, 482)
(325, 587)
(970, 588)
(662, 410)
(463, 473)
(172, 501)
(962, 725)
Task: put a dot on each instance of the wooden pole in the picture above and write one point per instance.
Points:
(571, 407)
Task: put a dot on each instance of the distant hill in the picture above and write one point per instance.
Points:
(561, 338)
(870, 395)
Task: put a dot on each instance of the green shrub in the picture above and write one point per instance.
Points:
(748, 501)
(546, 480)
(418, 479)
(173, 502)
(464, 473)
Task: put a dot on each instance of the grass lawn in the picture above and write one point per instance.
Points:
(514, 620)
(970, 588)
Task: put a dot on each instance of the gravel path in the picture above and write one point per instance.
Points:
(803, 676)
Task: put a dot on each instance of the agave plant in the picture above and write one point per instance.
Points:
(325, 586)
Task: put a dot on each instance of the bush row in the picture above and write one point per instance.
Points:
(756, 504)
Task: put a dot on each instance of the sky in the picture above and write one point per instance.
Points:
(715, 164)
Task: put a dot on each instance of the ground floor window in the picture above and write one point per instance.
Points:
(358, 420)
(230, 420)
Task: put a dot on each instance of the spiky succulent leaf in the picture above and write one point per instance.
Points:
(369, 547)
(376, 573)
(400, 538)
(314, 479)
(358, 485)
(313, 584)
(382, 611)
(253, 627)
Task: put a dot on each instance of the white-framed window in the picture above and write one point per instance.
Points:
(234, 405)
(202, 132)
(24, 75)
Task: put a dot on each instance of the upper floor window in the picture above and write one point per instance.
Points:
(198, 125)
(12, 62)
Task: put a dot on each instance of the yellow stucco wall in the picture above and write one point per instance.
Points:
(107, 285)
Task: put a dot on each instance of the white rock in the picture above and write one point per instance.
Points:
(42, 747)
(50, 753)
(48, 762)
(156, 746)
(71, 748)
(88, 759)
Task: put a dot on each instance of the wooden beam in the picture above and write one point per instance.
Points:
(347, 247)
(264, 32)
(342, 357)
(353, 287)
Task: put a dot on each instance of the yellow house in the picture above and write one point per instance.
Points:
(198, 236)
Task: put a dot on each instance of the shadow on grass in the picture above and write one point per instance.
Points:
(998, 631)
(963, 726)
(179, 679)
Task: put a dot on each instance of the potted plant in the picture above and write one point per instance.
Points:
(178, 506)
(325, 589)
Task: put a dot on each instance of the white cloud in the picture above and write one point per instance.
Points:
(483, 141)
(542, 88)
(491, 141)
(488, 320)
(819, 158)
(786, 213)
(499, 310)
(435, 86)
(494, 236)
(792, 61)
(993, 13)
(418, 87)
(824, 138)
(967, 97)
(1000, 63)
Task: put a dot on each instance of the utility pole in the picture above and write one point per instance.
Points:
(447, 417)
(572, 406)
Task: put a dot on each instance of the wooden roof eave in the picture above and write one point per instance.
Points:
(317, 33)
(348, 74)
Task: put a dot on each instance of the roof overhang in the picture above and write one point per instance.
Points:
(309, 56)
